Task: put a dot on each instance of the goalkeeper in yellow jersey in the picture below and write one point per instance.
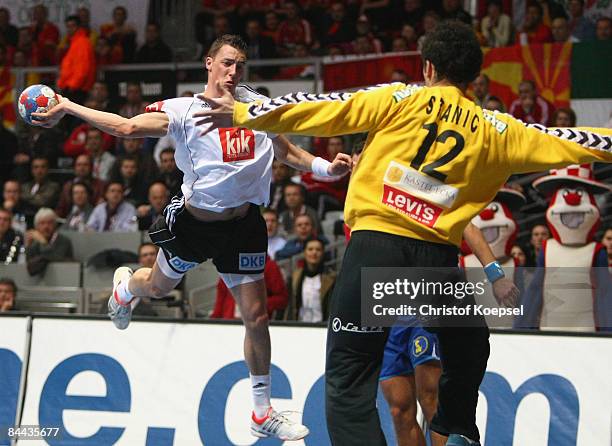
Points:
(432, 161)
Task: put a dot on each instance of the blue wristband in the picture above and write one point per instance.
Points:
(494, 271)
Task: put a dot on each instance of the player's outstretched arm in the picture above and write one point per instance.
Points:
(152, 125)
(505, 291)
(300, 159)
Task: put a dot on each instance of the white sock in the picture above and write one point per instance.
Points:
(261, 390)
(123, 293)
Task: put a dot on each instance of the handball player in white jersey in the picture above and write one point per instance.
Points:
(226, 177)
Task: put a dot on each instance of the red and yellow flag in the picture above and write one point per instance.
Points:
(7, 100)
(548, 65)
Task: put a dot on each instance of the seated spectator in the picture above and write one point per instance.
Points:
(534, 30)
(531, 107)
(108, 54)
(271, 24)
(147, 167)
(311, 285)
(82, 174)
(561, 31)
(399, 44)
(99, 94)
(453, 10)
(154, 50)
(494, 103)
(412, 13)
(277, 296)
(8, 293)
(580, 26)
(337, 26)
(303, 71)
(430, 22)
(121, 33)
(8, 142)
(23, 214)
(327, 193)
(158, 198)
(77, 71)
(293, 30)
(603, 29)
(295, 196)
(259, 47)
(518, 255)
(496, 27)
(134, 104)
(11, 241)
(275, 240)
(75, 143)
(134, 187)
(8, 31)
(114, 214)
(481, 90)
(102, 160)
(281, 176)
(606, 240)
(363, 33)
(81, 207)
(564, 117)
(539, 233)
(41, 191)
(36, 142)
(28, 48)
(304, 230)
(169, 174)
(44, 244)
(45, 34)
(410, 36)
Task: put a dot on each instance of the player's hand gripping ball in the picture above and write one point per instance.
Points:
(36, 99)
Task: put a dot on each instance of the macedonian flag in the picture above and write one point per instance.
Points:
(7, 101)
(548, 65)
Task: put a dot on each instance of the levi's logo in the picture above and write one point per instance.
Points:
(415, 208)
(154, 107)
(237, 144)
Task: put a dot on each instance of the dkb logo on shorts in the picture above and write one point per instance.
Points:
(253, 261)
(181, 265)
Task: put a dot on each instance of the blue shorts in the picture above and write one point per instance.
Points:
(406, 348)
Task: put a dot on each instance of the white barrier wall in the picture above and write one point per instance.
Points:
(186, 384)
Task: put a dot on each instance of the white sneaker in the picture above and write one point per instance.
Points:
(118, 313)
(276, 425)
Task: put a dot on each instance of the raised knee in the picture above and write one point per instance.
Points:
(405, 413)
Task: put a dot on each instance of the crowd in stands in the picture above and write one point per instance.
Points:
(124, 184)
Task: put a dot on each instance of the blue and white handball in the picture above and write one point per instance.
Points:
(36, 99)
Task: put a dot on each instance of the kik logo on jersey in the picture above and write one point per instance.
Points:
(237, 144)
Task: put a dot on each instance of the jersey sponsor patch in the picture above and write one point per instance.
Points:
(181, 265)
(415, 208)
(154, 107)
(252, 261)
(237, 144)
(491, 117)
(420, 345)
(419, 185)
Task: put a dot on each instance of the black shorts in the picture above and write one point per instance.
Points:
(235, 246)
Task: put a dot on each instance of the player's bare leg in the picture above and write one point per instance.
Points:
(251, 300)
(129, 286)
(400, 393)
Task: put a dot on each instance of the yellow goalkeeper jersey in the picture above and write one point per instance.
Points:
(433, 159)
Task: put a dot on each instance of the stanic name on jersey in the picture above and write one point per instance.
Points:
(415, 208)
(452, 113)
(237, 144)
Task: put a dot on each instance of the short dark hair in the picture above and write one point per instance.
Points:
(142, 245)
(110, 183)
(169, 150)
(233, 40)
(10, 282)
(269, 211)
(299, 186)
(454, 51)
(73, 18)
(314, 239)
(84, 184)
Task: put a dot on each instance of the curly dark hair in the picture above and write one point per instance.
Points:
(454, 51)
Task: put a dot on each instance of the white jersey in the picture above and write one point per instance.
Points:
(225, 168)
